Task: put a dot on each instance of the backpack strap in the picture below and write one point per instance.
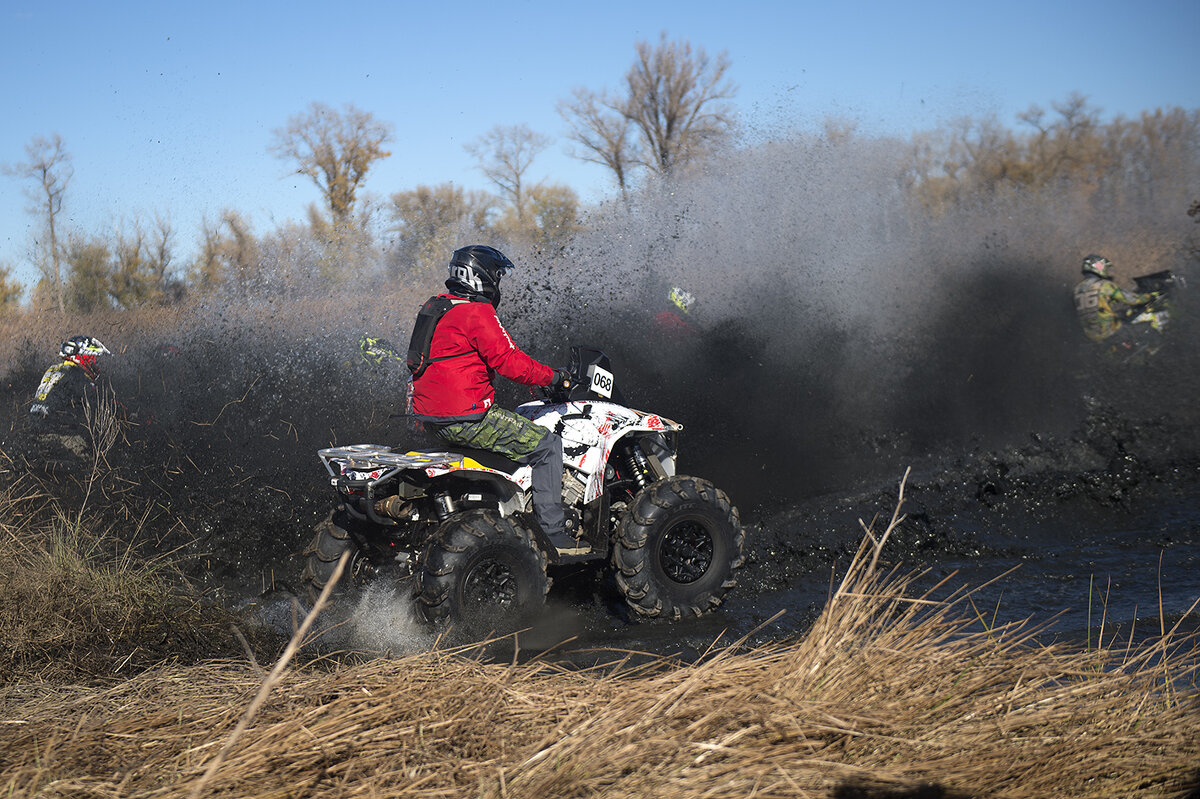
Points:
(431, 313)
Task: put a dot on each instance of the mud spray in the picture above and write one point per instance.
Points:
(839, 331)
(839, 335)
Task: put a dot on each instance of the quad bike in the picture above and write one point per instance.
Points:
(460, 523)
(1157, 312)
(1147, 323)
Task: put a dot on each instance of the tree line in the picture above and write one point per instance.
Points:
(671, 114)
(668, 113)
(1072, 147)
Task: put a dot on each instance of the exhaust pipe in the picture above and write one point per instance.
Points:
(394, 507)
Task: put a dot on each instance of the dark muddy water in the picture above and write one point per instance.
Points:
(1125, 575)
(1141, 567)
(1132, 573)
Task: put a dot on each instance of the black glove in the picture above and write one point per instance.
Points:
(563, 380)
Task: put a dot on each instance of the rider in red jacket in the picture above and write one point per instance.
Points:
(452, 382)
(469, 348)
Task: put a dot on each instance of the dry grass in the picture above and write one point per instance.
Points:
(77, 604)
(888, 695)
(79, 600)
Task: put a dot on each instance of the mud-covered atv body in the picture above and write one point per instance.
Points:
(1147, 324)
(1157, 312)
(461, 522)
(1143, 329)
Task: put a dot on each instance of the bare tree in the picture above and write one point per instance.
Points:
(229, 253)
(1070, 146)
(336, 150)
(127, 269)
(555, 213)
(599, 124)
(505, 154)
(129, 280)
(674, 108)
(50, 165)
(1131, 164)
(551, 219)
(10, 290)
(426, 210)
(141, 260)
(89, 273)
(676, 102)
(431, 219)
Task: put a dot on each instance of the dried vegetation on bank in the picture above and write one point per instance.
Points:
(888, 695)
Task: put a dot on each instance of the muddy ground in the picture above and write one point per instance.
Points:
(1010, 431)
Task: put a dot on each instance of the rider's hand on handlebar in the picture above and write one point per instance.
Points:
(563, 380)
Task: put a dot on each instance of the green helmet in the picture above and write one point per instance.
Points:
(376, 350)
(1097, 265)
(683, 300)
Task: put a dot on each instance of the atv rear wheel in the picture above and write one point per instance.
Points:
(677, 548)
(331, 538)
(484, 569)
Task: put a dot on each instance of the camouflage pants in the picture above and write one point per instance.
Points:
(519, 439)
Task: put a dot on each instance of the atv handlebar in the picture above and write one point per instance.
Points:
(589, 377)
(560, 389)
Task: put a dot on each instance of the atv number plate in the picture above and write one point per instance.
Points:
(602, 380)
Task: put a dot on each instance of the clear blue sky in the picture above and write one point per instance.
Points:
(169, 107)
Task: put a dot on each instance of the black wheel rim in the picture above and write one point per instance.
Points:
(686, 552)
(360, 569)
(490, 582)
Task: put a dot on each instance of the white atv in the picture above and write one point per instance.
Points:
(461, 522)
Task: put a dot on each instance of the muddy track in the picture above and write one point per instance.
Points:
(1003, 435)
(219, 451)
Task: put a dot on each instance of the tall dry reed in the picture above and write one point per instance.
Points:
(888, 695)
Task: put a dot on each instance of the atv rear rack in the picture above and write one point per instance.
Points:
(362, 468)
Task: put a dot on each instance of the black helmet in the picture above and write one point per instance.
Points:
(1097, 265)
(475, 273)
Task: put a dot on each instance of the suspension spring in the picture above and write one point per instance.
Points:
(638, 465)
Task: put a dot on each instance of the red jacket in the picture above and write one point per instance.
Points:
(460, 388)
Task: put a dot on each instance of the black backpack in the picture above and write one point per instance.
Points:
(422, 336)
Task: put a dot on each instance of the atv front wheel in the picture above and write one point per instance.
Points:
(331, 537)
(677, 548)
(482, 568)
